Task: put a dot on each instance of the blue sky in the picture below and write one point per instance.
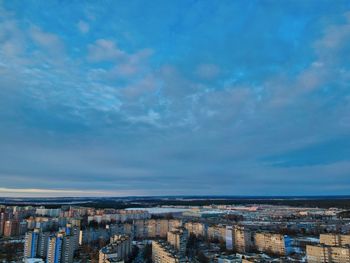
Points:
(174, 97)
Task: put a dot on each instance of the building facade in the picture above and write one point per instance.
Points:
(243, 239)
(334, 239)
(118, 250)
(269, 242)
(60, 248)
(178, 239)
(163, 252)
(31, 241)
(325, 254)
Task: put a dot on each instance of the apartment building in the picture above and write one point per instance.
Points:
(243, 239)
(196, 228)
(60, 248)
(325, 254)
(163, 252)
(178, 239)
(117, 251)
(216, 232)
(271, 243)
(333, 239)
(31, 243)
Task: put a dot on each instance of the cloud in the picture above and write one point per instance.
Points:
(104, 50)
(162, 102)
(131, 65)
(334, 39)
(48, 41)
(207, 71)
(151, 118)
(83, 26)
(32, 192)
(146, 85)
(332, 151)
(11, 39)
(326, 69)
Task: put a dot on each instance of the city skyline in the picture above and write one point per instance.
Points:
(137, 98)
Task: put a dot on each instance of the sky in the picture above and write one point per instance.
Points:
(120, 98)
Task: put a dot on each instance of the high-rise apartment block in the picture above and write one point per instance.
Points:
(60, 249)
(54, 249)
(11, 228)
(332, 248)
(43, 239)
(216, 232)
(334, 239)
(238, 238)
(326, 254)
(35, 244)
(243, 239)
(163, 252)
(178, 239)
(229, 237)
(272, 243)
(154, 227)
(31, 244)
(117, 251)
(2, 223)
(196, 228)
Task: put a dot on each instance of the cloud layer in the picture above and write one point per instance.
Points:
(174, 98)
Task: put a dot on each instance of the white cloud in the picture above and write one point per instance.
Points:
(151, 118)
(50, 42)
(131, 65)
(12, 40)
(207, 71)
(131, 91)
(104, 50)
(126, 69)
(331, 52)
(145, 85)
(83, 27)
